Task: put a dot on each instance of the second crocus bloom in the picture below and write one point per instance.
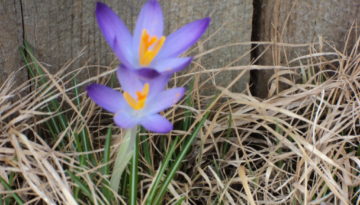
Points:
(148, 51)
(140, 103)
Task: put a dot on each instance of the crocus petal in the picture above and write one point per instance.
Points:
(129, 80)
(151, 19)
(171, 65)
(132, 80)
(106, 97)
(156, 123)
(157, 80)
(164, 100)
(126, 61)
(182, 39)
(147, 73)
(115, 32)
(125, 120)
(158, 84)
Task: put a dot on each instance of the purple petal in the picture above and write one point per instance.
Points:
(106, 97)
(156, 123)
(132, 81)
(151, 19)
(158, 84)
(129, 80)
(172, 65)
(182, 39)
(156, 80)
(164, 100)
(127, 61)
(125, 120)
(147, 73)
(115, 32)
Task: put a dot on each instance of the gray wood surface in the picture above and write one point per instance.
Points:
(59, 29)
(11, 38)
(301, 21)
(232, 22)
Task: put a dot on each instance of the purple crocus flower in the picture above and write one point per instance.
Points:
(140, 103)
(148, 51)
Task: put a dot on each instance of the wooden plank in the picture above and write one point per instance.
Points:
(300, 22)
(232, 20)
(10, 40)
(59, 29)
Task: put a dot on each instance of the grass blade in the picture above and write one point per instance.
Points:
(14, 195)
(134, 173)
(160, 174)
(178, 160)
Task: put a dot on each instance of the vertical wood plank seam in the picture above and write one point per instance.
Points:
(23, 36)
(253, 81)
(22, 21)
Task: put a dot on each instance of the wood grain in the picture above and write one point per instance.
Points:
(60, 29)
(231, 23)
(11, 38)
(300, 22)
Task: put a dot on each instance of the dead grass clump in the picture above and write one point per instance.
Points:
(299, 146)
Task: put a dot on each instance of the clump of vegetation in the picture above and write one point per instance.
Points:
(298, 146)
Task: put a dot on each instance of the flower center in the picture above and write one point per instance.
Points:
(149, 47)
(139, 102)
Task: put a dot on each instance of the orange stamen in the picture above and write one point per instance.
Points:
(149, 47)
(141, 96)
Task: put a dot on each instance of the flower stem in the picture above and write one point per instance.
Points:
(134, 174)
(124, 154)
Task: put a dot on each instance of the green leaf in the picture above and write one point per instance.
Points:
(14, 195)
(160, 174)
(178, 160)
(123, 156)
(134, 173)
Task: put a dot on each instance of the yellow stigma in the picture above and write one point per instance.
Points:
(149, 47)
(139, 102)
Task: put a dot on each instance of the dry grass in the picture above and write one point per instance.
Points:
(298, 146)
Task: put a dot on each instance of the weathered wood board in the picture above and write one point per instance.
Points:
(231, 20)
(11, 38)
(300, 21)
(231, 23)
(59, 29)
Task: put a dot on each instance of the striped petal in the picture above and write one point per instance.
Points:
(182, 39)
(156, 123)
(150, 18)
(158, 84)
(105, 97)
(132, 80)
(129, 80)
(164, 100)
(115, 32)
(172, 65)
(124, 120)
